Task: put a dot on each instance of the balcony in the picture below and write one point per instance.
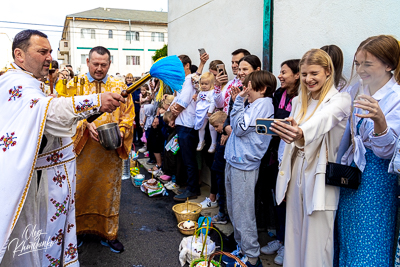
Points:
(64, 47)
(60, 56)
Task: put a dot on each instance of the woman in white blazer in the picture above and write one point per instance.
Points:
(318, 120)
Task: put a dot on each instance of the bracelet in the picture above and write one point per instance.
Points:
(381, 133)
(198, 73)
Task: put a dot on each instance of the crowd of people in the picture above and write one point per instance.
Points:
(331, 119)
(318, 117)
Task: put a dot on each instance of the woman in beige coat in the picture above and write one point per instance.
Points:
(318, 121)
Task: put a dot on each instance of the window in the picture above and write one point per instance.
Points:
(65, 44)
(88, 34)
(132, 60)
(110, 34)
(132, 36)
(83, 58)
(112, 59)
(157, 37)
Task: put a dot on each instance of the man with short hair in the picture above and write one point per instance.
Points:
(184, 111)
(222, 96)
(99, 171)
(37, 163)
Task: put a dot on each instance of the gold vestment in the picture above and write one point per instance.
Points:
(99, 171)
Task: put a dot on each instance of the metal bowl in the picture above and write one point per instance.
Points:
(109, 136)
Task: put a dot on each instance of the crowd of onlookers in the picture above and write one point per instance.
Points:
(327, 119)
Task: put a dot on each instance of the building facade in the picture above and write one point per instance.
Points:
(132, 36)
(5, 51)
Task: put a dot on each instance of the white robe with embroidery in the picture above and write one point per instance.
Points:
(37, 226)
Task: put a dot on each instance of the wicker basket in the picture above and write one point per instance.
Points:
(187, 231)
(197, 261)
(195, 209)
(226, 254)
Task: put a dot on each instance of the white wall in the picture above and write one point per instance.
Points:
(302, 25)
(118, 41)
(219, 26)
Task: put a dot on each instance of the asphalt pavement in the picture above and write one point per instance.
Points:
(147, 228)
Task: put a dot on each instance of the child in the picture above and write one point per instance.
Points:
(157, 134)
(144, 99)
(217, 170)
(170, 158)
(244, 151)
(204, 108)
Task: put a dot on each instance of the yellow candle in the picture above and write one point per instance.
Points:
(50, 66)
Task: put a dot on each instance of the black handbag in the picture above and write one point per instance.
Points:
(342, 175)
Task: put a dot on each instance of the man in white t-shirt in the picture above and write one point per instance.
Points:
(184, 110)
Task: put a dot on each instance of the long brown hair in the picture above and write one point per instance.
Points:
(386, 48)
(213, 66)
(320, 58)
(336, 55)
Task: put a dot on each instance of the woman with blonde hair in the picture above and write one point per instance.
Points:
(367, 216)
(318, 119)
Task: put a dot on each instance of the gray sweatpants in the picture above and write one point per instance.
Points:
(240, 187)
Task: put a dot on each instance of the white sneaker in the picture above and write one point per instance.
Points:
(201, 145)
(172, 186)
(212, 148)
(208, 204)
(279, 258)
(271, 247)
(143, 149)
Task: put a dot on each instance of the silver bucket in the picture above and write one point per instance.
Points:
(109, 136)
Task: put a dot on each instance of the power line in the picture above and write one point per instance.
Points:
(16, 22)
(75, 27)
(96, 33)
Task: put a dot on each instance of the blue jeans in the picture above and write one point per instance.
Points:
(187, 139)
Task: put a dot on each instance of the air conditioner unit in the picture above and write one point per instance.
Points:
(64, 46)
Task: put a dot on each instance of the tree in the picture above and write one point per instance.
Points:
(163, 52)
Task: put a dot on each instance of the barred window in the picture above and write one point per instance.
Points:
(132, 60)
(157, 37)
(132, 36)
(83, 58)
(88, 34)
(110, 34)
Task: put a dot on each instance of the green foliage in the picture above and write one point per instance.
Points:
(163, 52)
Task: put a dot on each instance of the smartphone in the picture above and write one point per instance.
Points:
(202, 51)
(263, 125)
(221, 68)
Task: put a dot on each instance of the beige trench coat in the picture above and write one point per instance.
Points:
(323, 130)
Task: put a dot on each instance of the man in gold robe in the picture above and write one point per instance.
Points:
(99, 171)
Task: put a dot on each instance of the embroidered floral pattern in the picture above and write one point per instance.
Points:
(69, 227)
(53, 261)
(55, 157)
(15, 93)
(203, 96)
(59, 178)
(8, 141)
(34, 102)
(61, 208)
(85, 105)
(58, 237)
(227, 97)
(71, 252)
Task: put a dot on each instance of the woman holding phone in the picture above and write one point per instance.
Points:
(318, 120)
(289, 77)
(367, 216)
